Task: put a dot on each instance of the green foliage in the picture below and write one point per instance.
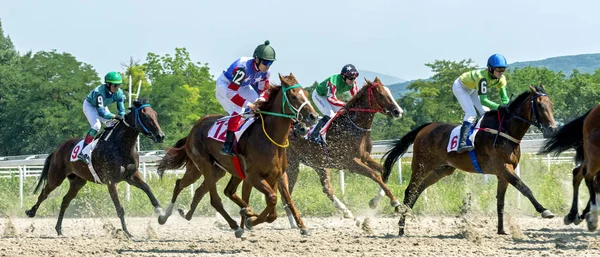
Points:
(587, 63)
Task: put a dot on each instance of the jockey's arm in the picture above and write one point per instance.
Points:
(121, 105)
(487, 102)
(331, 95)
(102, 112)
(504, 96)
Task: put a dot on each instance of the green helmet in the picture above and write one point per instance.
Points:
(265, 52)
(113, 77)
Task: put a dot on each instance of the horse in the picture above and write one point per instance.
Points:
(496, 155)
(115, 159)
(348, 145)
(261, 152)
(581, 134)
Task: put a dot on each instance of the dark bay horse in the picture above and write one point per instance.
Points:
(115, 159)
(261, 151)
(431, 161)
(348, 144)
(583, 135)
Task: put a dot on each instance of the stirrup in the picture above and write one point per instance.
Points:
(84, 157)
(465, 148)
(228, 150)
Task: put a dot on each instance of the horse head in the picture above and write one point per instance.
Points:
(535, 108)
(294, 104)
(144, 120)
(379, 98)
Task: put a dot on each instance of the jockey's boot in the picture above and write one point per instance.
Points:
(315, 134)
(228, 145)
(88, 139)
(462, 142)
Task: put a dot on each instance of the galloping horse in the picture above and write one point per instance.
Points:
(348, 144)
(115, 159)
(260, 150)
(583, 135)
(431, 160)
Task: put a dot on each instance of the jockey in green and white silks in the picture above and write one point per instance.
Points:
(325, 95)
(471, 91)
(95, 107)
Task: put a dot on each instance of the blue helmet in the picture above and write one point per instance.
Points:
(497, 61)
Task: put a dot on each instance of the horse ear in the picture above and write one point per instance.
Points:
(377, 80)
(543, 87)
(533, 90)
(282, 78)
(368, 81)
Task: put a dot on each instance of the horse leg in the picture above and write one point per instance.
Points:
(216, 203)
(373, 170)
(114, 195)
(514, 180)
(75, 184)
(592, 217)
(269, 214)
(293, 169)
(325, 179)
(500, 194)
(199, 194)
(54, 180)
(419, 181)
(289, 205)
(573, 216)
(191, 175)
(137, 181)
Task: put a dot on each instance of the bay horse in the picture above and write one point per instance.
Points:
(431, 161)
(261, 152)
(583, 135)
(115, 159)
(348, 145)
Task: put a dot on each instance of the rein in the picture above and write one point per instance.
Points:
(370, 110)
(296, 116)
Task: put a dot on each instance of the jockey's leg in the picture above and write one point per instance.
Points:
(231, 128)
(463, 95)
(92, 116)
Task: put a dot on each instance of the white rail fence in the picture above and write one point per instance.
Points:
(32, 165)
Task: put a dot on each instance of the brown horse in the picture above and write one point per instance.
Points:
(583, 135)
(431, 161)
(261, 151)
(115, 159)
(348, 145)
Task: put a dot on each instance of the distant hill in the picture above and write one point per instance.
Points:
(399, 89)
(385, 79)
(585, 63)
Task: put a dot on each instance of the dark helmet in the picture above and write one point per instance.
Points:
(349, 71)
(264, 52)
(496, 61)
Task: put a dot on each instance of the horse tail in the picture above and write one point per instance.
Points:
(567, 137)
(400, 147)
(175, 158)
(44, 176)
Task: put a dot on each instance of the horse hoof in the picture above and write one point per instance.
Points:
(373, 203)
(567, 220)
(577, 220)
(502, 232)
(348, 214)
(305, 232)
(30, 213)
(592, 222)
(248, 222)
(162, 219)
(239, 233)
(547, 214)
(182, 213)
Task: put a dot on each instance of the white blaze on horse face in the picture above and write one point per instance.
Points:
(305, 97)
(391, 96)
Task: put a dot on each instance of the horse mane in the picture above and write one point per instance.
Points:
(567, 137)
(513, 105)
(267, 105)
(360, 92)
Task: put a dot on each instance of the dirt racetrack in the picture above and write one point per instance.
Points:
(209, 236)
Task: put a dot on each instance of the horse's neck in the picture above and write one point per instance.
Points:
(358, 114)
(123, 136)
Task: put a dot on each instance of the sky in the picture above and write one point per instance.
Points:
(313, 38)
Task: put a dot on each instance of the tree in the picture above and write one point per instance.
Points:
(182, 92)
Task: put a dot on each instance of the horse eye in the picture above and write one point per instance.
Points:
(294, 97)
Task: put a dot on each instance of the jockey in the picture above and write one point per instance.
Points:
(95, 107)
(241, 85)
(324, 96)
(471, 91)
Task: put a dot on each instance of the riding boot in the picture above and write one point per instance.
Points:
(464, 134)
(88, 139)
(315, 135)
(228, 145)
